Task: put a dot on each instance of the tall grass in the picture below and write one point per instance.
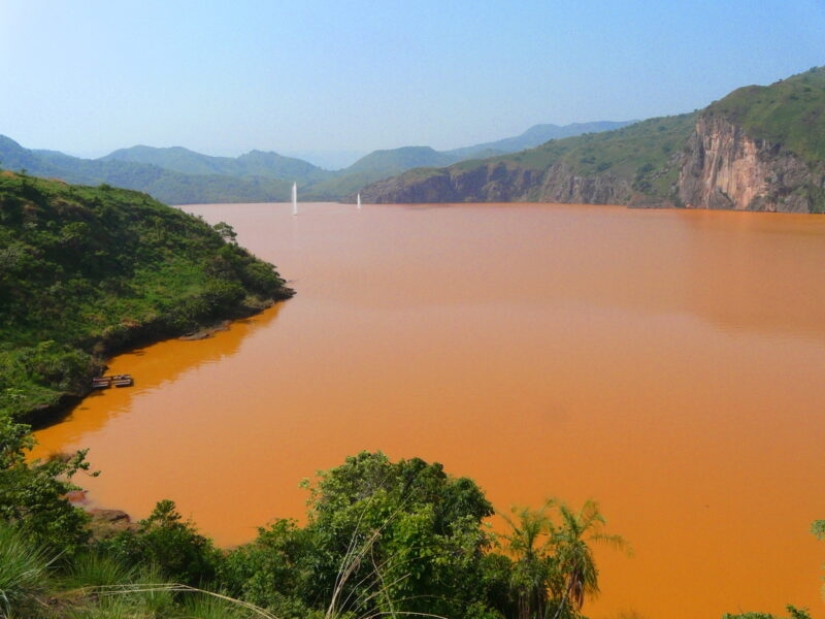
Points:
(24, 574)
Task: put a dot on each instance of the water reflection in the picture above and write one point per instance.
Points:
(153, 369)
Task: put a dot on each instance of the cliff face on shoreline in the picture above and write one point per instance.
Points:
(502, 182)
(561, 184)
(758, 149)
(720, 167)
(725, 168)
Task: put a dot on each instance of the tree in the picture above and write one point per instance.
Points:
(793, 613)
(170, 543)
(554, 567)
(818, 529)
(577, 572)
(33, 494)
(226, 232)
(531, 544)
(397, 537)
(274, 571)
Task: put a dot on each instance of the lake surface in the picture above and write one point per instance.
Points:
(667, 363)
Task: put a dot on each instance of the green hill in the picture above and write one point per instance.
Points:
(637, 160)
(253, 164)
(180, 176)
(790, 112)
(167, 185)
(85, 272)
(534, 136)
(759, 148)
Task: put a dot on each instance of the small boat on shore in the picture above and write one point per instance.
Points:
(115, 380)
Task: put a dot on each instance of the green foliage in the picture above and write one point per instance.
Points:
(383, 538)
(88, 271)
(644, 156)
(24, 573)
(818, 529)
(96, 569)
(33, 494)
(554, 567)
(140, 594)
(405, 538)
(275, 571)
(793, 613)
(397, 537)
(171, 544)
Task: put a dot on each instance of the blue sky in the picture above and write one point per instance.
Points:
(89, 76)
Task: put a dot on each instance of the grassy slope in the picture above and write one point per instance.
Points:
(790, 112)
(644, 153)
(88, 271)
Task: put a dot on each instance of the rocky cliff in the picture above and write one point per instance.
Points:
(562, 185)
(725, 168)
(760, 148)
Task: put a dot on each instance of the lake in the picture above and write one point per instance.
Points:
(666, 363)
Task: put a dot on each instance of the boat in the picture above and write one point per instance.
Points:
(114, 380)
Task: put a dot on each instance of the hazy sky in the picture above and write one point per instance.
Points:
(224, 77)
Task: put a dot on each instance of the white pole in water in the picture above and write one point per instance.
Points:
(294, 198)
(359, 201)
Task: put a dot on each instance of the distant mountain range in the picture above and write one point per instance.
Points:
(180, 176)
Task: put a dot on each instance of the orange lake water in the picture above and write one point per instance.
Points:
(666, 363)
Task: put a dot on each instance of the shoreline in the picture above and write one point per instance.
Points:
(143, 335)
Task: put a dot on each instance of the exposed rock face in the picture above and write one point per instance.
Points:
(503, 182)
(496, 182)
(723, 168)
(719, 166)
(559, 184)
(107, 523)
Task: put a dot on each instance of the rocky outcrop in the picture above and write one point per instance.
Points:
(501, 182)
(560, 184)
(724, 168)
(758, 149)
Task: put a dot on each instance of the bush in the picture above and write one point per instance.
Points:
(171, 544)
(33, 495)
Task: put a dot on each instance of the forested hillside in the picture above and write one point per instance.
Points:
(87, 271)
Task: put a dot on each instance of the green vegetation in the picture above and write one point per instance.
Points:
(643, 164)
(86, 272)
(789, 113)
(401, 538)
(645, 157)
(554, 569)
(793, 613)
(381, 538)
(179, 176)
(646, 154)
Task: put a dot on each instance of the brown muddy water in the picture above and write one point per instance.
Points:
(668, 364)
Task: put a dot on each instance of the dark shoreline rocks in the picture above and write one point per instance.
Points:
(107, 523)
(139, 336)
